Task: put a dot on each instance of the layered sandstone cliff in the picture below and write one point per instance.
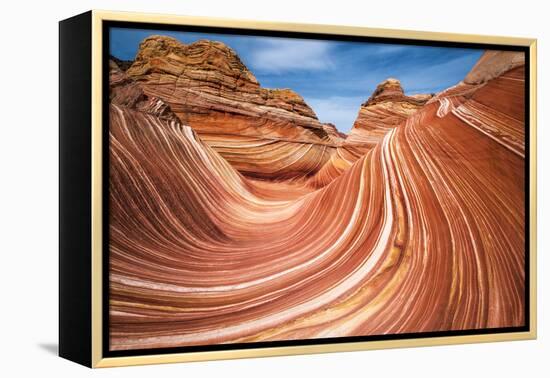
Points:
(385, 109)
(388, 107)
(124, 91)
(493, 64)
(258, 130)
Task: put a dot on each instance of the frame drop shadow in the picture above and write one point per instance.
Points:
(51, 348)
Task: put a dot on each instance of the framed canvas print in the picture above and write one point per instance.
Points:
(234, 188)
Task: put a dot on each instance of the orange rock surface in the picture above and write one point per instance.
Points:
(259, 131)
(425, 231)
(386, 109)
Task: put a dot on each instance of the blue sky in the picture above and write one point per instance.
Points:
(334, 77)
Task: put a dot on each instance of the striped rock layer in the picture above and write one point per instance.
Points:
(424, 232)
(263, 133)
(387, 108)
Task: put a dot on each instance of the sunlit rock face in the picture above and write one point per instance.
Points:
(259, 131)
(387, 107)
(493, 64)
(125, 92)
(423, 232)
(491, 99)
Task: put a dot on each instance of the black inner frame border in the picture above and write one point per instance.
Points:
(106, 25)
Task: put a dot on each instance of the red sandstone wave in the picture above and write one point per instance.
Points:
(422, 232)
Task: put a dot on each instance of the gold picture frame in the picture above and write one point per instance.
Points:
(90, 329)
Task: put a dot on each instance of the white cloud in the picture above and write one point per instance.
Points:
(381, 49)
(339, 110)
(277, 56)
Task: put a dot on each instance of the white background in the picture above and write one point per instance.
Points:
(29, 189)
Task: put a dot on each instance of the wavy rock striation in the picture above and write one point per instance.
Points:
(424, 232)
(386, 108)
(259, 131)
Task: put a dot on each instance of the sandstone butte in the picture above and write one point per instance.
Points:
(424, 232)
(259, 131)
(386, 108)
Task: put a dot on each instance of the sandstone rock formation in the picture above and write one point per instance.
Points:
(493, 64)
(334, 135)
(259, 131)
(123, 65)
(387, 107)
(126, 92)
(424, 232)
(484, 99)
